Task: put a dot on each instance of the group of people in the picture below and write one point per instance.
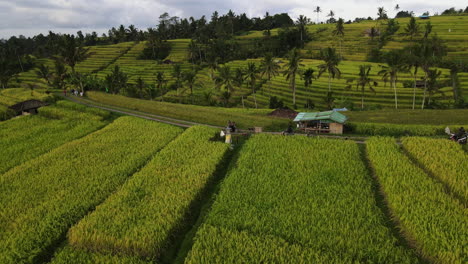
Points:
(73, 92)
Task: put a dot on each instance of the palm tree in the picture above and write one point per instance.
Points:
(395, 64)
(71, 52)
(43, 71)
(213, 66)
(308, 76)
(301, 23)
(382, 13)
(269, 67)
(317, 10)
(60, 75)
(339, 31)
(141, 85)
(427, 29)
(373, 32)
(292, 69)
(331, 14)
(397, 7)
(160, 83)
(331, 60)
(177, 74)
(364, 81)
(412, 28)
(433, 85)
(413, 64)
(190, 78)
(238, 78)
(251, 76)
(225, 78)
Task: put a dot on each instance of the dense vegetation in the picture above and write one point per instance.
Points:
(426, 214)
(273, 208)
(73, 178)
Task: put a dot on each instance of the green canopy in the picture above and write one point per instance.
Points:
(324, 117)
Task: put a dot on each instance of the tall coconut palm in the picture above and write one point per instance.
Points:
(251, 77)
(160, 83)
(413, 65)
(269, 67)
(433, 85)
(330, 66)
(412, 28)
(331, 14)
(364, 80)
(317, 10)
(140, 85)
(382, 13)
(301, 23)
(308, 76)
(177, 74)
(292, 69)
(427, 29)
(71, 52)
(238, 78)
(225, 78)
(339, 32)
(43, 71)
(190, 78)
(395, 65)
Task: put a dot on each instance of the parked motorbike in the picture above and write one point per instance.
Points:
(461, 139)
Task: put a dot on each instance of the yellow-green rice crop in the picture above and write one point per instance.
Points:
(309, 198)
(153, 205)
(42, 198)
(435, 221)
(445, 159)
(27, 137)
(68, 255)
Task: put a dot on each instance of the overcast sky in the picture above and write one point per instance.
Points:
(31, 17)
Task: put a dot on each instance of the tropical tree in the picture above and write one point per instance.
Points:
(395, 65)
(141, 86)
(397, 8)
(330, 65)
(339, 31)
(160, 83)
(116, 80)
(364, 80)
(43, 71)
(433, 85)
(225, 78)
(301, 23)
(331, 14)
(308, 76)
(269, 67)
(317, 10)
(190, 78)
(373, 32)
(238, 78)
(60, 75)
(381, 13)
(251, 77)
(412, 28)
(177, 74)
(292, 69)
(427, 29)
(71, 52)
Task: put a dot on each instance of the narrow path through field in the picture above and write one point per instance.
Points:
(179, 122)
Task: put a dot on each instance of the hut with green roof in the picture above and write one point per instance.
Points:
(321, 122)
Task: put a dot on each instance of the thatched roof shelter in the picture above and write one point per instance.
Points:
(29, 106)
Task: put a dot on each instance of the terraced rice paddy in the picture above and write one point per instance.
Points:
(84, 187)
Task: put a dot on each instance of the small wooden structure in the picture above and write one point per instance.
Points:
(28, 107)
(321, 122)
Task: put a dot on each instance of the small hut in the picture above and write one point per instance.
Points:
(29, 106)
(321, 122)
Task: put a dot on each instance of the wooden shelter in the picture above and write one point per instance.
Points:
(321, 122)
(29, 106)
